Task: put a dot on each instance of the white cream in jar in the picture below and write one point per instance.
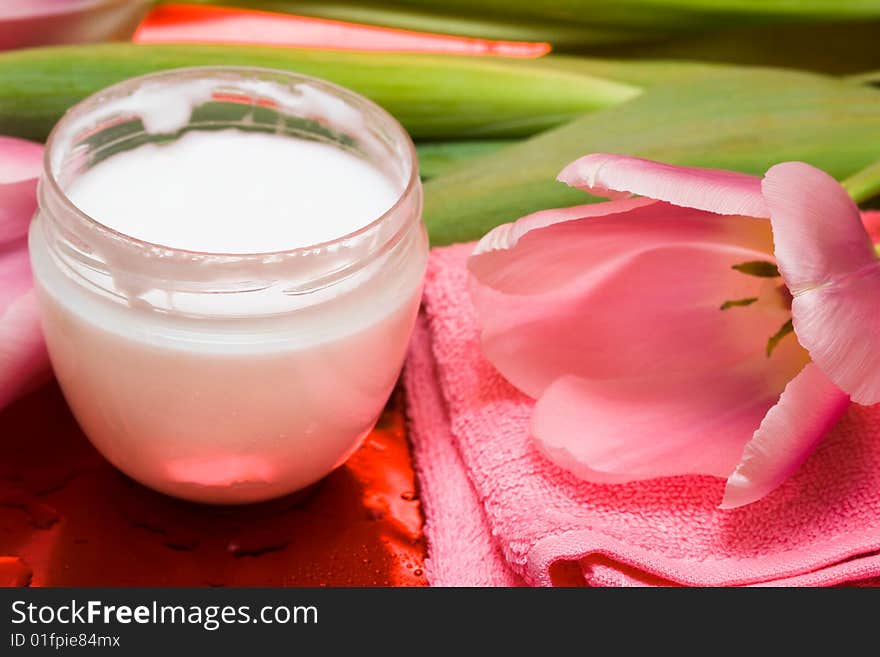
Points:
(231, 191)
(229, 264)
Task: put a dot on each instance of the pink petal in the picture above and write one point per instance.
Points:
(645, 427)
(506, 236)
(15, 273)
(871, 222)
(809, 407)
(712, 190)
(197, 24)
(829, 264)
(23, 357)
(20, 165)
(26, 23)
(577, 297)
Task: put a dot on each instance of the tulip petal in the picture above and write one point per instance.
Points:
(632, 293)
(198, 24)
(15, 273)
(640, 428)
(23, 357)
(506, 236)
(810, 405)
(828, 262)
(817, 229)
(28, 23)
(20, 165)
(712, 190)
(871, 222)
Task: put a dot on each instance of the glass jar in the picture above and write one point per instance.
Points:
(217, 377)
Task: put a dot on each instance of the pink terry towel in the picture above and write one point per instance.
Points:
(499, 514)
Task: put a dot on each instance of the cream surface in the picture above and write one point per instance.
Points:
(232, 191)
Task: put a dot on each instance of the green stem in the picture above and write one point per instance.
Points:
(865, 184)
(871, 77)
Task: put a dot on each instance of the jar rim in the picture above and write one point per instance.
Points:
(205, 72)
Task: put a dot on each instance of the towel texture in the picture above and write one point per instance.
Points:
(499, 514)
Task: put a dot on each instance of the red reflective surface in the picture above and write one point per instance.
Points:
(68, 518)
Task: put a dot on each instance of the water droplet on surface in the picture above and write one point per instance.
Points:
(409, 495)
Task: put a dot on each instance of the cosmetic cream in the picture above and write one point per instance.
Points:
(229, 263)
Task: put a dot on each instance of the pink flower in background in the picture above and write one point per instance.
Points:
(28, 23)
(682, 332)
(22, 352)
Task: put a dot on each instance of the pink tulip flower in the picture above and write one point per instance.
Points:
(682, 332)
(28, 23)
(23, 357)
